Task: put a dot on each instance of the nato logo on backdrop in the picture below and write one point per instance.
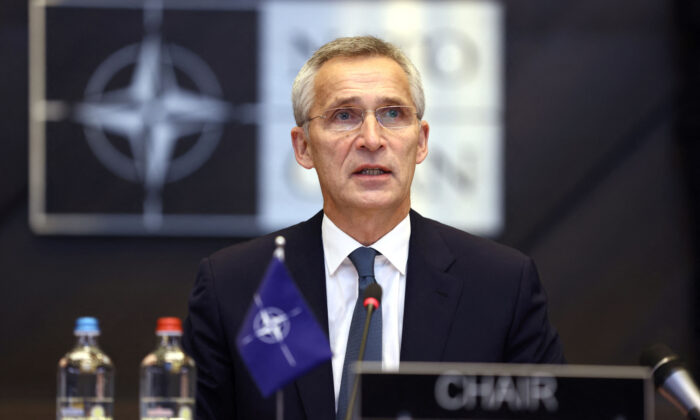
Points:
(173, 118)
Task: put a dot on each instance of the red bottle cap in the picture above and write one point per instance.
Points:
(169, 324)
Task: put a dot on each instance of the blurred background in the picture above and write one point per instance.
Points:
(589, 140)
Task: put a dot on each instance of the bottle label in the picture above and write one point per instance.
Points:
(167, 409)
(84, 409)
(84, 418)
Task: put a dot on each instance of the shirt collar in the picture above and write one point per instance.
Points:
(337, 245)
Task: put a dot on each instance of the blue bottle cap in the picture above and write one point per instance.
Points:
(87, 324)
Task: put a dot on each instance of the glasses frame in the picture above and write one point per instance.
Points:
(364, 113)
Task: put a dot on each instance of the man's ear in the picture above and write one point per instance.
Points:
(422, 149)
(302, 151)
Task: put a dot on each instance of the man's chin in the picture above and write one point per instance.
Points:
(378, 202)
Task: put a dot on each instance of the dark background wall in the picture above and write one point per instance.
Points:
(602, 165)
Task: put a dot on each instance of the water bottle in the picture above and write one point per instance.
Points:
(85, 377)
(168, 376)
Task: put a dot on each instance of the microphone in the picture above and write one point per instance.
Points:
(672, 379)
(373, 295)
(370, 300)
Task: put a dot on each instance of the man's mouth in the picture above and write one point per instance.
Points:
(372, 171)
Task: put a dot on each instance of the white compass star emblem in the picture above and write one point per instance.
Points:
(271, 326)
(152, 113)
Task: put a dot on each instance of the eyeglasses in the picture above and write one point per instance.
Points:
(350, 118)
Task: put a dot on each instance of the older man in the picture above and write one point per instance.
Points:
(448, 296)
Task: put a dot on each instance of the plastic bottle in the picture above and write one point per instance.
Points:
(85, 377)
(168, 376)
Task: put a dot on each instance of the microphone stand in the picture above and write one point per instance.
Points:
(363, 344)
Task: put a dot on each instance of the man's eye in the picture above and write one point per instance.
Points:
(392, 113)
(343, 115)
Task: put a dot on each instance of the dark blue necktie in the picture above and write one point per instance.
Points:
(363, 260)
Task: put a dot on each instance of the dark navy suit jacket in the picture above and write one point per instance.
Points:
(467, 300)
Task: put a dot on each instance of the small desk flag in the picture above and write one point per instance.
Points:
(280, 339)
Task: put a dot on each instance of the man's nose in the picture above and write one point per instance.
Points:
(370, 132)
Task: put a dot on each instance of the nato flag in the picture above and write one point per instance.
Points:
(280, 339)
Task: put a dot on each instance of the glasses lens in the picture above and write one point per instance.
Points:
(395, 116)
(343, 119)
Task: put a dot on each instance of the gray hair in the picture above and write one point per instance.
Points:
(303, 87)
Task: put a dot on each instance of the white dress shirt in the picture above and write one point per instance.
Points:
(342, 290)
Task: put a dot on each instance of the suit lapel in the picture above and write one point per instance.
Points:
(431, 294)
(304, 259)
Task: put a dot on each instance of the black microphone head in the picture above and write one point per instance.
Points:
(652, 355)
(672, 379)
(373, 291)
(662, 360)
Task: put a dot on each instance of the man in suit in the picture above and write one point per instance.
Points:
(448, 296)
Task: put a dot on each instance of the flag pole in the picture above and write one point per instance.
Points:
(279, 248)
(280, 404)
(279, 254)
